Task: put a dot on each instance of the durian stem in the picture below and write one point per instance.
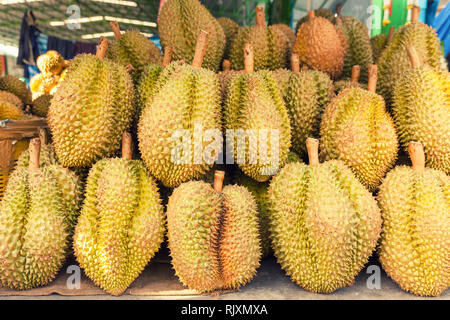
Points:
(355, 73)
(308, 5)
(295, 63)
(167, 56)
(339, 9)
(115, 28)
(248, 58)
(101, 48)
(35, 149)
(373, 76)
(218, 180)
(260, 17)
(413, 56)
(415, 13)
(200, 49)
(417, 155)
(312, 145)
(390, 34)
(43, 136)
(226, 65)
(126, 146)
(311, 14)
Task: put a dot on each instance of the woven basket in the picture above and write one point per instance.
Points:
(15, 136)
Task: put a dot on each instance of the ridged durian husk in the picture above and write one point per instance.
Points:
(378, 43)
(41, 105)
(230, 28)
(179, 23)
(213, 236)
(14, 85)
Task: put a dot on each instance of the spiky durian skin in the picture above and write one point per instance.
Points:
(11, 98)
(179, 23)
(324, 224)
(321, 46)
(321, 12)
(121, 225)
(135, 49)
(47, 156)
(288, 32)
(348, 83)
(359, 50)
(213, 237)
(50, 62)
(41, 105)
(421, 108)
(36, 220)
(357, 129)
(324, 86)
(415, 243)
(378, 43)
(146, 87)
(270, 48)
(224, 79)
(230, 28)
(14, 85)
(255, 107)
(90, 111)
(394, 61)
(190, 98)
(10, 111)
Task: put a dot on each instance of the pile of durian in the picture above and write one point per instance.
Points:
(138, 138)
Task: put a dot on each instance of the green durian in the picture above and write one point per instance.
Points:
(230, 28)
(9, 97)
(324, 224)
(121, 225)
(213, 235)
(15, 86)
(10, 111)
(415, 242)
(179, 23)
(41, 104)
(90, 110)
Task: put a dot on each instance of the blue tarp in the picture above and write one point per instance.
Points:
(442, 25)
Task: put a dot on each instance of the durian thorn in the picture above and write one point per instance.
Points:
(248, 58)
(126, 146)
(218, 180)
(43, 136)
(373, 76)
(260, 17)
(167, 56)
(415, 13)
(295, 63)
(116, 29)
(312, 145)
(226, 65)
(413, 56)
(356, 69)
(200, 49)
(417, 155)
(101, 48)
(311, 14)
(35, 149)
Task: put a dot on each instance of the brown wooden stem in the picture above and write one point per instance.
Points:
(167, 56)
(312, 145)
(226, 65)
(311, 14)
(373, 76)
(200, 49)
(248, 58)
(218, 180)
(126, 146)
(413, 56)
(102, 47)
(260, 17)
(115, 28)
(339, 9)
(415, 13)
(417, 155)
(356, 70)
(35, 149)
(391, 33)
(295, 63)
(43, 136)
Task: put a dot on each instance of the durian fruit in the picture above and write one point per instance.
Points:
(213, 235)
(421, 109)
(41, 104)
(359, 50)
(37, 216)
(324, 224)
(225, 77)
(270, 45)
(9, 97)
(179, 23)
(14, 85)
(288, 32)
(352, 82)
(415, 241)
(230, 28)
(380, 42)
(257, 122)
(357, 129)
(121, 225)
(184, 107)
(132, 48)
(10, 111)
(91, 109)
(394, 62)
(321, 46)
(50, 62)
(47, 155)
(321, 12)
